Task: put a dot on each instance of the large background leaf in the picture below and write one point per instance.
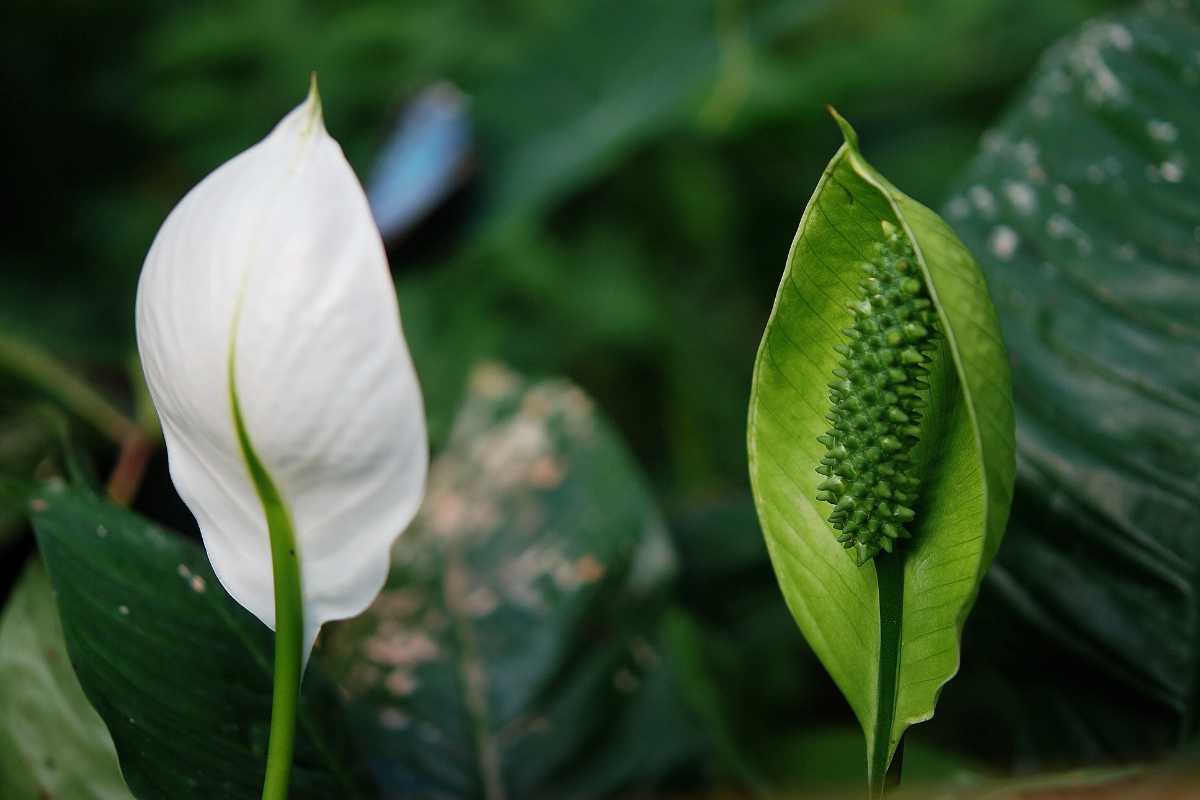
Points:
(520, 626)
(52, 742)
(1085, 210)
(179, 672)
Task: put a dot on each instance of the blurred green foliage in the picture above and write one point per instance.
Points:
(641, 171)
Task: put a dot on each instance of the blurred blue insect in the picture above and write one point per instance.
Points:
(426, 157)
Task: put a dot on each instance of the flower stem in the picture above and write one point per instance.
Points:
(289, 615)
(289, 637)
(889, 570)
(892, 781)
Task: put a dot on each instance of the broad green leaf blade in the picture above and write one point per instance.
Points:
(52, 742)
(1084, 207)
(888, 632)
(517, 650)
(179, 672)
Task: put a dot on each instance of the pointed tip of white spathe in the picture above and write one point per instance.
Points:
(306, 119)
(312, 103)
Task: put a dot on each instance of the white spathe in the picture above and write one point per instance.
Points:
(273, 266)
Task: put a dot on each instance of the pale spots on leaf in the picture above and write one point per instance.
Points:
(1101, 85)
(403, 648)
(1171, 171)
(1021, 196)
(445, 513)
(394, 719)
(1120, 37)
(1027, 152)
(983, 200)
(38, 505)
(527, 577)
(1058, 226)
(480, 602)
(401, 682)
(395, 603)
(547, 472)
(588, 569)
(579, 408)
(492, 381)
(197, 583)
(958, 207)
(1162, 131)
(504, 453)
(362, 676)
(1004, 242)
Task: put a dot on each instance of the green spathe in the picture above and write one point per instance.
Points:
(888, 631)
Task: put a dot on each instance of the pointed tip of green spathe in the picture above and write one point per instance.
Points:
(847, 130)
(313, 101)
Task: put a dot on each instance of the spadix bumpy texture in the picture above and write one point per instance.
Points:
(877, 401)
(268, 286)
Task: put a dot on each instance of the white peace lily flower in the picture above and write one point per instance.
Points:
(270, 337)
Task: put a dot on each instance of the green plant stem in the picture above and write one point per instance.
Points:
(45, 372)
(137, 439)
(896, 767)
(289, 614)
(889, 570)
(289, 644)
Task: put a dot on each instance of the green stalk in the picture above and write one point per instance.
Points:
(289, 615)
(889, 569)
(897, 766)
(43, 371)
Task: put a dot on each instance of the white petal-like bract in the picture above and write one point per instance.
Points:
(268, 287)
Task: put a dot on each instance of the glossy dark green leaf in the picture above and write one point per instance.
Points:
(179, 672)
(52, 742)
(888, 632)
(1084, 207)
(516, 649)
